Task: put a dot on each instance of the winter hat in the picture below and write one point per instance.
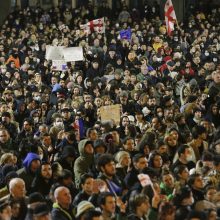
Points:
(120, 155)
(41, 210)
(99, 143)
(82, 207)
(35, 197)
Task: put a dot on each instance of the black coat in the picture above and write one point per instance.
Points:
(131, 178)
(41, 186)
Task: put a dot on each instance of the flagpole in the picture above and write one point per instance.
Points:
(105, 39)
(177, 24)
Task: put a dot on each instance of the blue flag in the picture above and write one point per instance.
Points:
(125, 34)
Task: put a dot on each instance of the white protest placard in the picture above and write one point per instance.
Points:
(59, 65)
(111, 112)
(144, 180)
(73, 54)
(54, 53)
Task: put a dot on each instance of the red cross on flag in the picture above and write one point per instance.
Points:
(170, 16)
(97, 25)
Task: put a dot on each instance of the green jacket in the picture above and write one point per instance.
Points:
(58, 213)
(166, 191)
(83, 162)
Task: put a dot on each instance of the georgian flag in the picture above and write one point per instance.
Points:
(97, 25)
(170, 16)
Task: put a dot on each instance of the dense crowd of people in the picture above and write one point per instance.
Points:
(60, 161)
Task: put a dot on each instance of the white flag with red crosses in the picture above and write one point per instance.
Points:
(170, 16)
(97, 25)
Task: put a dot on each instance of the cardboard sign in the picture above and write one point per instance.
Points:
(111, 112)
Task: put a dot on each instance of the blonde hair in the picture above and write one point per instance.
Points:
(5, 158)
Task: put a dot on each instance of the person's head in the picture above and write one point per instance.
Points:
(123, 158)
(46, 139)
(211, 214)
(4, 136)
(27, 125)
(106, 165)
(6, 117)
(170, 140)
(168, 179)
(17, 188)
(168, 114)
(63, 197)
(216, 76)
(184, 153)
(139, 161)
(196, 181)
(65, 112)
(41, 212)
(66, 178)
(87, 97)
(88, 149)
(156, 123)
(210, 192)
(43, 129)
(139, 203)
(32, 162)
(95, 64)
(92, 215)
(181, 172)
(162, 147)
(46, 171)
(99, 146)
(5, 210)
(115, 136)
(98, 102)
(54, 80)
(107, 202)
(7, 158)
(197, 113)
(128, 144)
(155, 160)
(83, 207)
(123, 97)
(199, 132)
(184, 197)
(151, 102)
(86, 183)
(91, 134)
(166, 211)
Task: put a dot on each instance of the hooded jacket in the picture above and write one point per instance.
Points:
(83, 162)
(25, 172)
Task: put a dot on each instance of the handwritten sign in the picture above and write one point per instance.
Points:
(111, 112)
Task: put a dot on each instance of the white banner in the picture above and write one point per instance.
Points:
(68, 54)
(54, 53)
(73, 54)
